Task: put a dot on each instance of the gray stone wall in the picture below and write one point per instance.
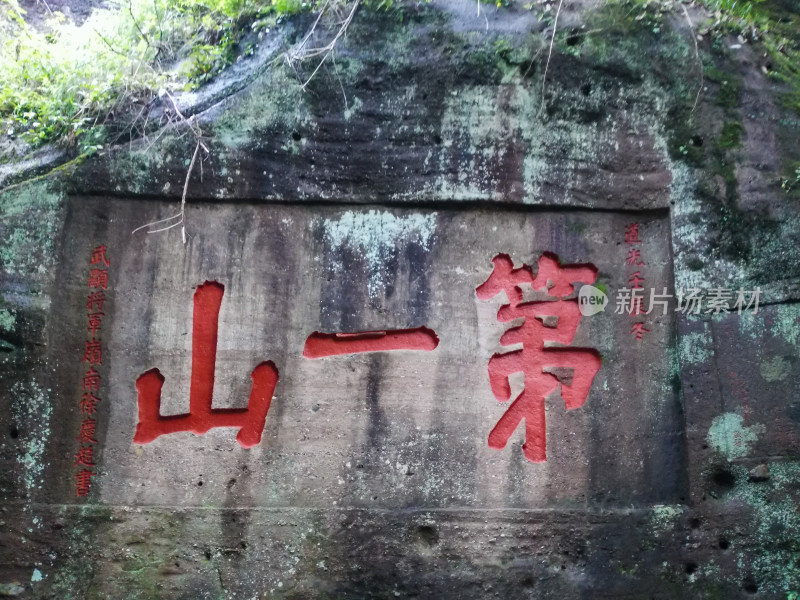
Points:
(375, 199)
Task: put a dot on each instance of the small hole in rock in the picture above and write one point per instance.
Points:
(13, 432)
(243, 544)
(207, 554)
(437, 139)
(296, 136)
(573, 40)
(586, 89)
(199, 484)
(749, 586)
(428, 534)
(723, 543)
(690, 567)
(724, 479)
(697, 141)
(694, 522)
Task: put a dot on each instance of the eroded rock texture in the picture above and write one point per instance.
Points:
(375, 199)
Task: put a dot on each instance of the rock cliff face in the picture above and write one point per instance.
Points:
(375, 199)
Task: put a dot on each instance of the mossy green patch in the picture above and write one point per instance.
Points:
(729, 94)
(773, 559)
(787, 323)
(31, 408)
(775, 369)
(731, 135)
(274, 101)
(696, 348)
(7, 320)
(19, 201)
(730, 437)
(664, 518)
(28, 228)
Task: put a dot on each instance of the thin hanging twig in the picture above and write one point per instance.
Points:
(300, 54)
(550, 52)
(180, 217)
(697, 57)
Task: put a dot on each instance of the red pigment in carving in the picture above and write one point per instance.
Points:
(83, 481)
(534, 358)
(98, 278)
(201, 417)
(319, 345)
(99, 256)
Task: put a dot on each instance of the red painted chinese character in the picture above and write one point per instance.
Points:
(93, 354)
(535, 357)
(634, 258)
(83, 481)
(632, 234)
(95, 320)
(638, 330)
(91, 381)
(96, 300)
(98, 278)
(201, 417)
(85, 456)
(89, 403)
(636, 280)
(86, 435)
(99, 256)
(319, 344)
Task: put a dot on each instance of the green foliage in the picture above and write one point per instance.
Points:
(731, 134)
(777, 29)
(736, 14)
(756, 21)
(288, 7)
(503, 48)
(10, 9)
(56, 85)
(85, 84)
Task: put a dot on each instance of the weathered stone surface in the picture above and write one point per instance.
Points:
(344, 430)
(376, 200)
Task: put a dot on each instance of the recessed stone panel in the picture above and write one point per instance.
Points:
(403, 424)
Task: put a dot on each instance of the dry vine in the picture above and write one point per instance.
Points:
(295, 56)
(179, 219)
(301, 52)
(693, 32)
(550, 52)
